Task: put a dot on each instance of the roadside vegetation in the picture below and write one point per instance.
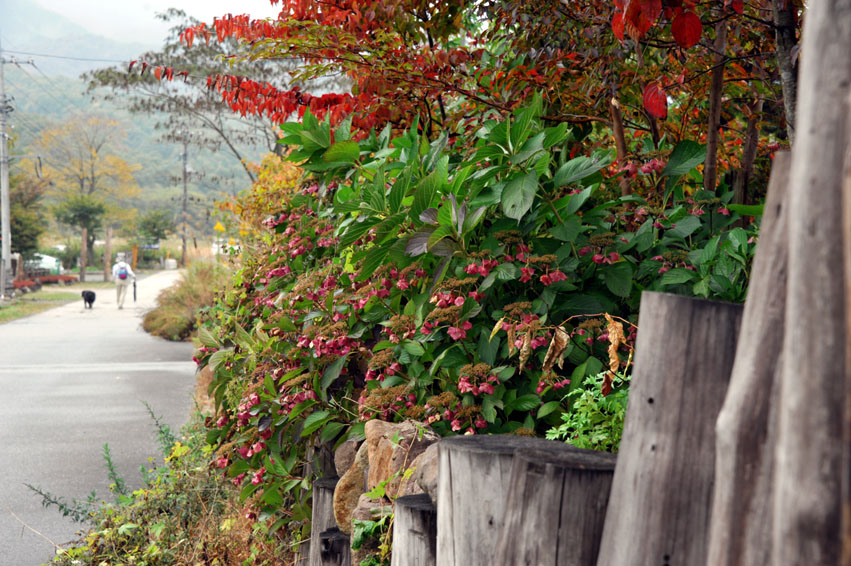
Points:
(178, 307)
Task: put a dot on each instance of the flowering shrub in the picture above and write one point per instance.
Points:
(472, 289)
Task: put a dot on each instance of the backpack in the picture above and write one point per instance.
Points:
(122, 271)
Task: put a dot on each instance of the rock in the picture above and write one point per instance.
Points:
(424, 478)
(393, 447)
(344, 456)
(349, 489)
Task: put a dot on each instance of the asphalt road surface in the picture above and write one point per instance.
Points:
(71, 380)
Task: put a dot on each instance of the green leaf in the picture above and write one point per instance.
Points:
(330, 431)
(578, 168)
(332, 372)
(548, 408)
(530, 148)
(519, 194)
(414, 348)
(342, 152)
(207, 338)
(568, 230)
(618, 278)
(555, 135)
(488, 409)
(684, 227)
(218, 357)
(686, 156)
(507, 272)
(747, 209)
(677, 276)
(314, 421)
(526, 402)
(429, 187)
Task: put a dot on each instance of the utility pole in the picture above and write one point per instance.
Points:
(5, 216)
(185, 156)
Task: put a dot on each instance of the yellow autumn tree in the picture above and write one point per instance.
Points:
(80, 161)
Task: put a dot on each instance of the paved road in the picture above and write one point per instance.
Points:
(70, 381)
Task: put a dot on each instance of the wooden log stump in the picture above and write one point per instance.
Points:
(334, 548)
(322, 521)
(556, 508)
(414, 532)
(662, 489)
(746, 431)
(474, 475)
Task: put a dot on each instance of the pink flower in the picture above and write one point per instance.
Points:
(585, 251)
(527, 274)
(486, 388)
(456, 424)
(598, 258)
(724, 210)
(457, 333)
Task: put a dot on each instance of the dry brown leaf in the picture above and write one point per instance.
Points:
(512, 338)
(556, 350)
(496, 328)
(525, 349)
(616, 338)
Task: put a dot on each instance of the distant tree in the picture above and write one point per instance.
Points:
(27, 219)
(82, 211)
(80, 158)
(156, 225)
(187, 104)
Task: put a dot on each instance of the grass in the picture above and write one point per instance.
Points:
(46, 298)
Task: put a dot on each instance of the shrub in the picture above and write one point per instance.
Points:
(175, 316)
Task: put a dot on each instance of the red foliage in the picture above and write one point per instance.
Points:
(686, 29)
(655, 100)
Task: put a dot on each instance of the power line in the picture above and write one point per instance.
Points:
(55, 87)
(65, 57)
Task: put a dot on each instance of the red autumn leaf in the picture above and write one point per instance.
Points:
(130, 68)
(617, 25)
(640, 15)
(738, 6)
(687, 29)
(655, 100)
(158, 72)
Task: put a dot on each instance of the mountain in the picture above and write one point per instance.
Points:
(27, 28)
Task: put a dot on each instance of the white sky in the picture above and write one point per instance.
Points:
(134, 20)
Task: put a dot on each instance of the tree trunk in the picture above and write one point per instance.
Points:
(474, 475)
(556, 508)
(414, 532)
(743, 175)
(807, 518)
(785, 29)
(107, 255)
(710, 170)
(620, 141)
(746, 431)
(662, 490)
(84, 255)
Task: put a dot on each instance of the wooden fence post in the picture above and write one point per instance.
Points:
(474, 475)
(326, 548)
(811, 470)
(662, 489)
(414, 531)
(556, 508)
(740, 533)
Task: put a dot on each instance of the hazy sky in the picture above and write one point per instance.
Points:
(134, 20)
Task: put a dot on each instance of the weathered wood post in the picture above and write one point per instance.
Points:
(414, 531)
(746, 431)
(556, 508)
(474, 474)
(662, 489)
(326, 548)
(811, 469)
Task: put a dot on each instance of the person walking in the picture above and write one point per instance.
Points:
(123, 275)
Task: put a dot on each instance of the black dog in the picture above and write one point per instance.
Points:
(88, 298)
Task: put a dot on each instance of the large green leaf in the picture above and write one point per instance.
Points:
(332, 372)
(429, 186)
(519, 194)
(578, 168)
(618, 278)
(342, 152)
(686, 156)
